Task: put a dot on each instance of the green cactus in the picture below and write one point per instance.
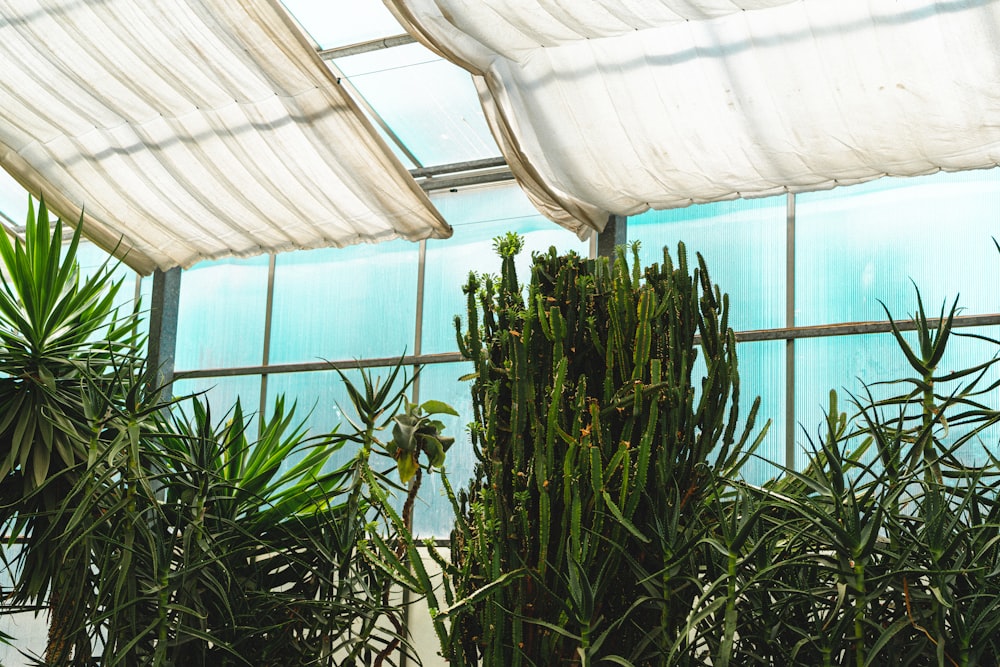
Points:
(604, 403)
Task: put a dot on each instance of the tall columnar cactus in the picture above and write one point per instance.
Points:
(605, 403)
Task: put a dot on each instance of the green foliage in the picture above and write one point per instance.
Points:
(414, 432)
(607, 521)
(63, 352)
(606, 405)
(163, 538)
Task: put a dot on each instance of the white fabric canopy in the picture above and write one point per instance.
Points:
(193, 129)
(616, 106)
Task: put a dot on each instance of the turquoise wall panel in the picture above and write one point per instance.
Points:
(220, 321)
(866, 368)
(743, 243)
(432, 515)
(762, 373)
(859, 246)
(221, 393)
(345, 303)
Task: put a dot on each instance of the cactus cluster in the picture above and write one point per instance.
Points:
(605, 399)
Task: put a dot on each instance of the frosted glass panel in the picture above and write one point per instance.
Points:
(762, 373)
(13, 199)
(220, 320)
(842, 363)
(479, 216)
(432, 106)
(433, 515)
(338, 23)
(345, 303)
(145, 298)
(859, 245)
(965, 352)
(91, 258)
(743, 243)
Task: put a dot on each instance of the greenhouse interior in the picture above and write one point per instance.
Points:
(519, 332)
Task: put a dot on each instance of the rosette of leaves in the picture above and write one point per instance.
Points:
(414, 432)
(65, 352)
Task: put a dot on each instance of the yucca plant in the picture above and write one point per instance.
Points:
(268, 525)
(160, 538)
(61, 342)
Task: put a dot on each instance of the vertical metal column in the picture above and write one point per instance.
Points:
(265, 355)
(162, 345)
(418, 338)
(615, 233)
(790, 343)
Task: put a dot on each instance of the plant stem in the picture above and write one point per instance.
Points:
(859, 615)
(933, 473)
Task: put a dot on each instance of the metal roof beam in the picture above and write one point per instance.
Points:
(365, 47)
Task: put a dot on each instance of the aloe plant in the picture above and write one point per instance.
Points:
(889, 537)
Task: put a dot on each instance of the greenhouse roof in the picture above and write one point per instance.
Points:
(193, 129)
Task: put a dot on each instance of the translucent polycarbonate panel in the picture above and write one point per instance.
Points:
(857, 365)
(383, 60)
(864, 244)
(743, 243)
(333, 24)
(433, 515)
(762, 373)
(29, 632)
(345, 303)
(13, 199)
(145, 298)
(966, 351)
(220, 320)
(221, 394)
(479, 215)
(430, 104)
(391, 143)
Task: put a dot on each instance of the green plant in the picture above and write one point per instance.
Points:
(214, 547)
(163, 538)
(390, 544)
(606, 405)
(61, 345)
(886, 545)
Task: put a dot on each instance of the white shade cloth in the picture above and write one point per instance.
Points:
(193, 129)
(617, 106)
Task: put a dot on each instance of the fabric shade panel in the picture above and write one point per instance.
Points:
(616, 106)
(194, 129)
